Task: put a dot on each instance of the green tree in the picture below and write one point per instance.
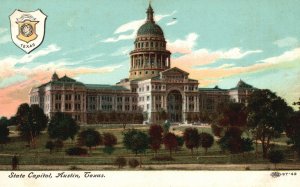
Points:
(109, 141)
(170, 142)
(90, 138)
(155, 137)
(50, 145)
(293, 131)
(31, 121)
(191, 138)
(136, 141)
(120, 162)
(180, 142)
(231, 141)
(247, 145)
(206, 140)
(62, 126)
(275, 157)
(4, 121)
(4, 130)
(230, 115)
(267, 116)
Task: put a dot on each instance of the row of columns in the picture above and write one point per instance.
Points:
(143, 61)
(114, 103)
(185, 103)
(62, 101)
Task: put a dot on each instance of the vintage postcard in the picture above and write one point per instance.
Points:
(152, 93)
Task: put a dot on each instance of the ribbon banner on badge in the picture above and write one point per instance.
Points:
(27, 29)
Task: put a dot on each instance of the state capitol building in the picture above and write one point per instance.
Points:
(152, 86)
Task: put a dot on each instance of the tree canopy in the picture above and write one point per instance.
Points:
(230, 115)
(136, 141)
(109, 141)
(231, 141)
(155, 137)
(268, 115)
(4, 131)
(31, 121)
(62, 126)
(191, 138)
(170, 142)
(293, 131)
(206, 140)
(90, 138)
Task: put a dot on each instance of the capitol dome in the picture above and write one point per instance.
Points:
(150, 27)
(150, 56)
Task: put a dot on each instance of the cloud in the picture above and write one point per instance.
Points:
(208, 76)
(16, 93)
(8, 63)
(225, 66)
(287, 42)
(171, 23)
(131, 27)
(92, 57)
(183, 46)
(205, 56)
(43, 52)
(3, 30)
(286, 56)
(5, 39)
(123, 51)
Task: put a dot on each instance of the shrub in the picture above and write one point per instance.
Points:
(90, 138)
(50, 145)
(276, 157)
(206, 140)
(76, 151)
(108, 150)
(133, 163)
(59, 144)
(120, 162)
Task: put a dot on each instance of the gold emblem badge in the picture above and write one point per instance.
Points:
(27, 29)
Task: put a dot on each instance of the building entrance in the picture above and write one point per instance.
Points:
(174, 105)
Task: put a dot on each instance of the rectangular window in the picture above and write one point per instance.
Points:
(77, 106)
(57, 106)
(68, 106)
(58, 97)
(107, 98)
(107, 107)
(119, 99)
(77, 97)
(119, 107)
(68, 97)
(134, 107)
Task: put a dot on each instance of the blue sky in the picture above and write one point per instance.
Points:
(217, 41)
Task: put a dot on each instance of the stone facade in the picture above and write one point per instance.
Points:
(153, 86)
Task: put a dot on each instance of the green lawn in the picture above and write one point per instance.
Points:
(40, 155)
